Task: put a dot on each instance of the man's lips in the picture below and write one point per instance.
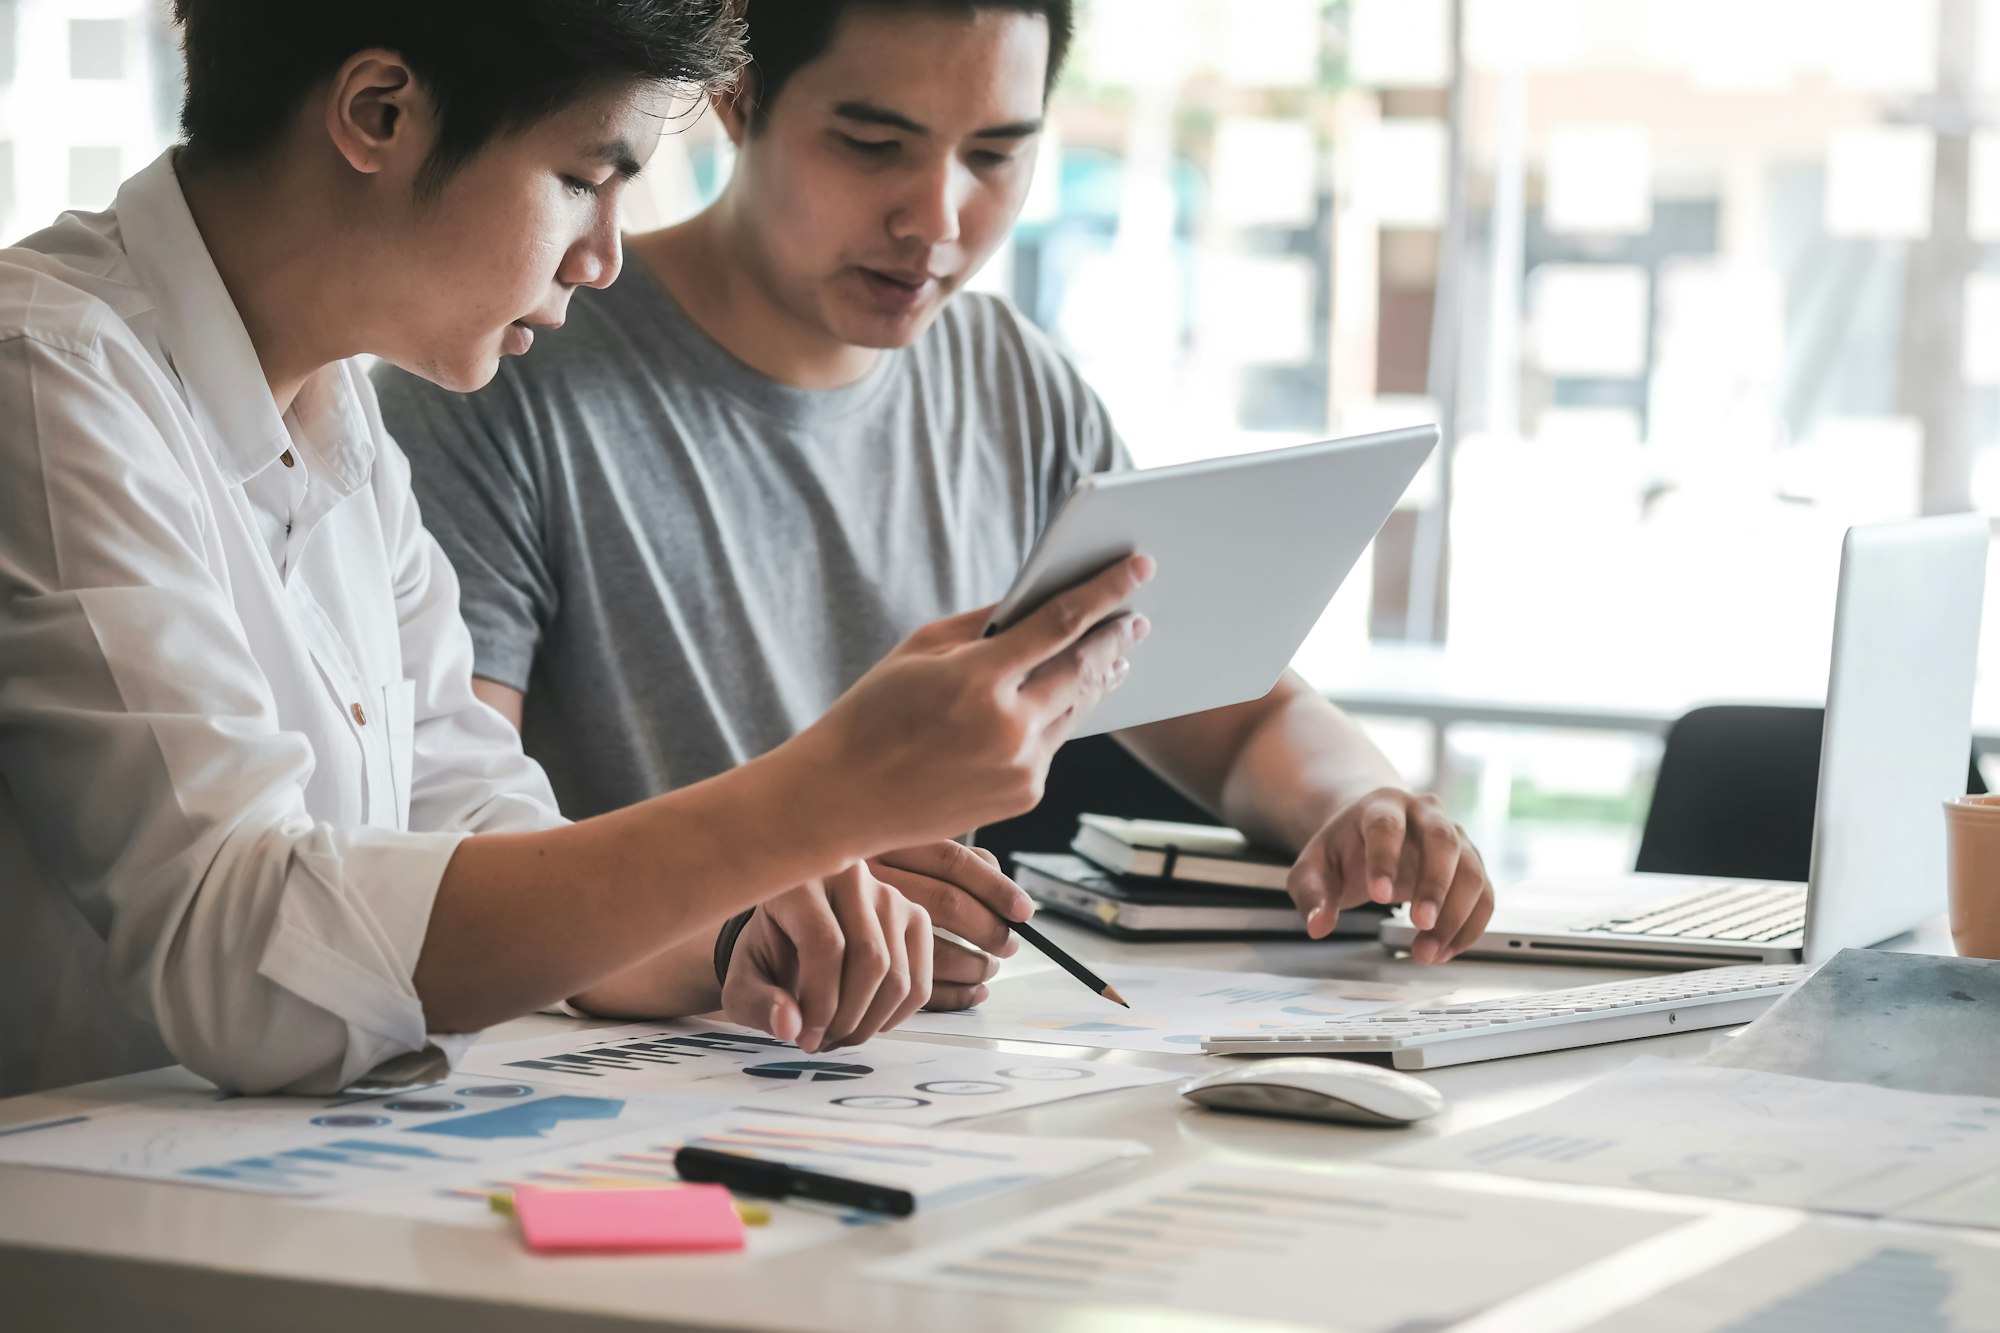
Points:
(898, 293)
(914, 281)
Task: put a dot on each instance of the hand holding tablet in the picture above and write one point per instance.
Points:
(1250, 551)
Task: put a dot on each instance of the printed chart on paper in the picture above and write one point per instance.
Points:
(1173, 1008)
(901, 1082)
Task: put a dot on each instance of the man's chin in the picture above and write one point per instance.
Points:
(886, 332)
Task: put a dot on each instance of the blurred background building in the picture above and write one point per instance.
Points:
(1691, 285)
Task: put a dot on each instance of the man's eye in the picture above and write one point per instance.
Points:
(870, 147)
(578, 188)
(986, 158)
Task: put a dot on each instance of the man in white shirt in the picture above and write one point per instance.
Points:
(251, 815)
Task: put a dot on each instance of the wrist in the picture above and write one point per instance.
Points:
(827, 807)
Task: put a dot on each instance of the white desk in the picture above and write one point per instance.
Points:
(88, 1252)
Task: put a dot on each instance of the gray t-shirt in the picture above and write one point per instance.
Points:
(683, 562)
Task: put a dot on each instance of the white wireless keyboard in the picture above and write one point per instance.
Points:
(1554, 1020)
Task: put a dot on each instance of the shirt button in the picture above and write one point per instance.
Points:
(286, 458)
(360, 718)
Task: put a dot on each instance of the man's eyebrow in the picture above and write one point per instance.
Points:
(1018, 129)
(869, 114)
(619, 155)
(875, 115)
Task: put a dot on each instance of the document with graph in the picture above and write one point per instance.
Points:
(1751, 1136)
(888, 1080)
(1828, 1275)
(1173, 1008)
(327, 1145)
(941, 1167)
(1368, 1253)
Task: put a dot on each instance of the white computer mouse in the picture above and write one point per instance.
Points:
(1318, 1089)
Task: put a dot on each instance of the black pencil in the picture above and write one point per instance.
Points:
(1062, 960)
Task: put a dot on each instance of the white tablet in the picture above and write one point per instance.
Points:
(1250, 550)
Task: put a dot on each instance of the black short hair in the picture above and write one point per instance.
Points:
(784, 36)
(489, 66)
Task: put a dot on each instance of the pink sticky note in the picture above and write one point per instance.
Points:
(686, 1218)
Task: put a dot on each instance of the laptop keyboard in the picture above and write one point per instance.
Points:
(1736, 913)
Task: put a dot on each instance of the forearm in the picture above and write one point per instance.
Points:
(1276, 768)
(522, 920)
(677, 982)
(1304, 762)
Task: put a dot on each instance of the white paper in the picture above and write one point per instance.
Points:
(900, 1082)
(316, 1146)
(1828, 1276)
(941, 1167)
(1173, 1008)
(1739, 1134)
(1314, 1248)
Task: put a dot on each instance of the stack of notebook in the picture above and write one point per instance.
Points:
(1154, 879)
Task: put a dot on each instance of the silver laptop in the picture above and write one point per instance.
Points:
(1898, 729)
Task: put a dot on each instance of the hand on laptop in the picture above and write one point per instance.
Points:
(831, 963)
(953, 730)
(963, 891)
(1393, 846)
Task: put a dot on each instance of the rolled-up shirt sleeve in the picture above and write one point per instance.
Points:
(157, 789)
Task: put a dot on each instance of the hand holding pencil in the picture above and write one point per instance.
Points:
(964, 891)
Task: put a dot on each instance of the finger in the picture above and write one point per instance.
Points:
(1353, 859)
(953, 962)
(965, 627)
(894, 987)
(1074, 681)
(1064, 619)
(1382, 830)
(865, 959)
(756, 1001)
(1467, 888)
(1437, 867)
(950, 908)
(950, 999)
(921, 945)
(1475, 925)
(1312, 891)
(971, 869)
(819, 942)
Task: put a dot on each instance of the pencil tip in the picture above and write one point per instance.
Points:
(1111, 994)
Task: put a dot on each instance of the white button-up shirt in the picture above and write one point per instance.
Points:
(238, 742)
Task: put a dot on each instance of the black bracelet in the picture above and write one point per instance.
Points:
(725, 943)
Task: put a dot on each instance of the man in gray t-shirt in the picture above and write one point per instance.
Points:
(780, 442)
(680, 562)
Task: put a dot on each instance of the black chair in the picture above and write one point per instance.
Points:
(1735, 794)
(1095, 775)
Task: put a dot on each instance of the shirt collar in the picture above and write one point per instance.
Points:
(203, 338)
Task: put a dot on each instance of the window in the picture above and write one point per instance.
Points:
(89, 90)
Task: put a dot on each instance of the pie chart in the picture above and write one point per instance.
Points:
(814, 1071)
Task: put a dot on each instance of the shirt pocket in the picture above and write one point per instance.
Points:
(399, 716)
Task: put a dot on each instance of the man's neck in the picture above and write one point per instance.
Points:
(709, 269)
(278, 275)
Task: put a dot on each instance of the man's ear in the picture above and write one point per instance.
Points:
(734, 104)
(377, 114)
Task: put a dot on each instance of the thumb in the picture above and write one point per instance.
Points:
(756, 1001)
